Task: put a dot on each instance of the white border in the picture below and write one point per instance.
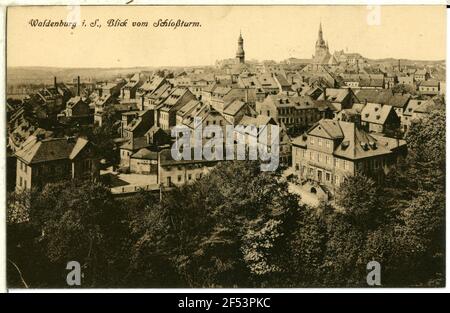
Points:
(197, 290)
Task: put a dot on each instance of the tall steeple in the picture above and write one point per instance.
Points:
(240, 53)
(322, 54)
(320, 32)
(320, 42)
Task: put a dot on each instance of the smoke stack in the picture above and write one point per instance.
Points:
(54, 81)
(78, 86)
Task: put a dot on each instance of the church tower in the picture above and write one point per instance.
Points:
(240, 53)
(322, 53)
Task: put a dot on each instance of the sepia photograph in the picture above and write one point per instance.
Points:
(225, 146)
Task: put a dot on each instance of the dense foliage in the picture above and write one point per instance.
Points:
(240, 227)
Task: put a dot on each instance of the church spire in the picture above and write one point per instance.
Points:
(240, 53)
(320, 42)
(320, 32)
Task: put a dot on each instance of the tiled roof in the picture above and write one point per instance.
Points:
(358, 144)
(234, 107)
(430, 83)
(145, 153)
(374, 96)
(418, 106)
(399, 101)
(35, 151)
(375, 113)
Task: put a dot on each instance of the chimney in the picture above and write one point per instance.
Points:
(246, 95)
(54, 81)
(78, 86)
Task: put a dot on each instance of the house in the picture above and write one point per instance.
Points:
(421, 75)
(349, 115)
(263, 122)
(178, 172)
(340, 98)
(130, 147)
(128, 91)
(165, 113)
(41, 161)
(110, 88)
(269, 83)
(156, 96)
(406, 80)
(219, 97)
(77, 109)
(148, 88)
(374, 96)
(379, 118)
(186, 109)
(416, 109)
(291, 110)
(429, 87)
(399, 103)
(332, 150)
(144, 161)
(157, 137)
(205, 116)
(236, 110)
(136, 123)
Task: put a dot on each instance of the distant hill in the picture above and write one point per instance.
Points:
(406, 61)
(44, 75)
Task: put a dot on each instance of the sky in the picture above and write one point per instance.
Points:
(270, 33)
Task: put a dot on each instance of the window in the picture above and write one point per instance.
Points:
(328, 159)
(25, 167)
(179, 178)
(189, 176)
(345, 165)
(297, 167)
(328, 143)
(336, 163)
(328, 176)
(21, 165)
(336, 180)
(303, 153)
(311, 140)
(319, 141)
(319, 157)
(20, 181)
(169, 181)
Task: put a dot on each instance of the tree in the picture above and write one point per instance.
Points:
(402, 88)
(80, 221)
(421, 239)
(358, 197)
(103, 137)
(228, 229)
